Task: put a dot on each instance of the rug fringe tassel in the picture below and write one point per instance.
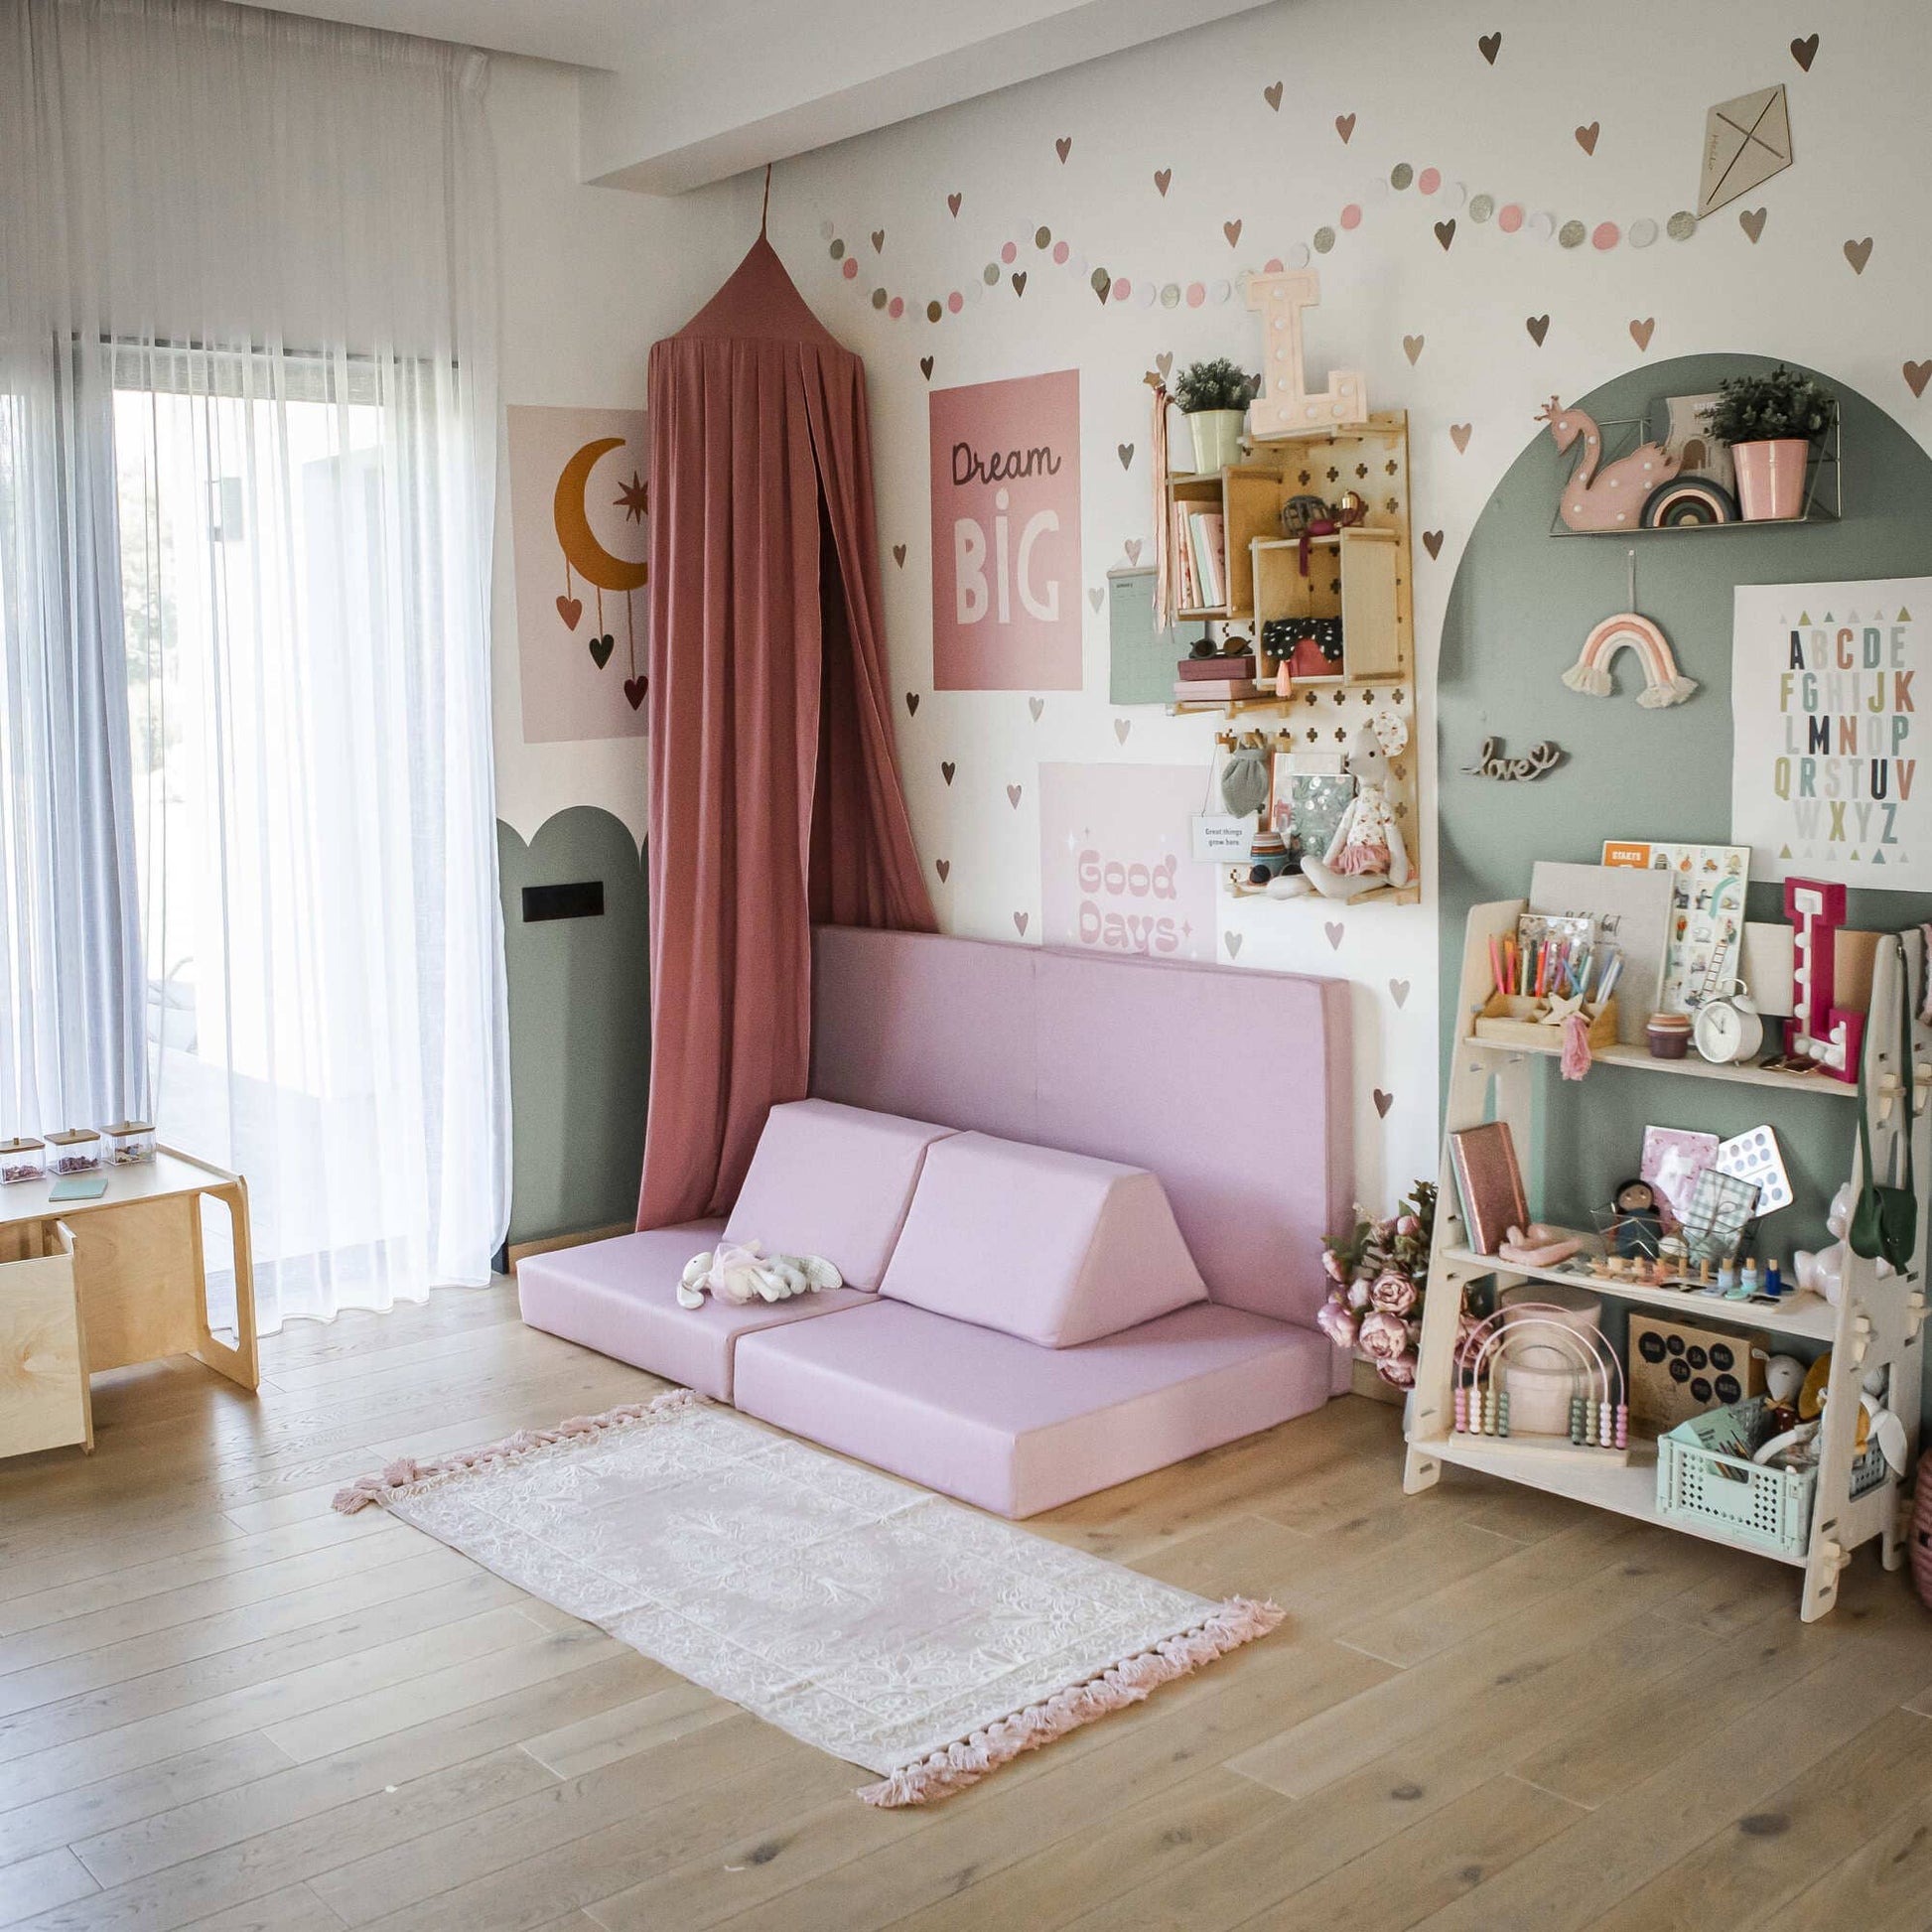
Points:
(406, 1472)
(1238, 1621)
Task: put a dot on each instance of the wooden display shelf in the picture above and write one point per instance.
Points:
(1409, 895)
(1878, 1323)
(1804, 1315)
(1688, 1067)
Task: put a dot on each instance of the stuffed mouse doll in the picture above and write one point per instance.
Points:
(1367, 849)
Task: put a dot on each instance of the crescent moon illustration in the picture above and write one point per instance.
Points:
(589, 558)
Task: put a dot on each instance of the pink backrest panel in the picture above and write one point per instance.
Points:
(1233, 1086)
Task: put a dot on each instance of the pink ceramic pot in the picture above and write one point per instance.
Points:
(1772, 479)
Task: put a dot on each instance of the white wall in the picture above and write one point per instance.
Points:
(593, 276)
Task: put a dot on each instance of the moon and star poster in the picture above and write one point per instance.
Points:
(580, 524)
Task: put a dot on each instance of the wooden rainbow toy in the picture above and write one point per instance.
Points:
(1663, 683)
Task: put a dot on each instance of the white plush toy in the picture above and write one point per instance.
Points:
(1368, 849)
(738, 1272)
(1823, 1272)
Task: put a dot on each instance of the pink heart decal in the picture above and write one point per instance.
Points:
(1344, 126)
(952, 203)
(1383, 1102)
(1232, 229)
(634, 689)
(1063, 147)
(1035, 706)
(1641, 332)
(1459, 434)
(879, 241)
(1012, 796)
(1019, 923)
(1587, 137)
(1132, 548)
(569, 609)
(1162, 177)
(1334, 931)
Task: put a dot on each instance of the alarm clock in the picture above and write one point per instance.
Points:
(1729, 1026)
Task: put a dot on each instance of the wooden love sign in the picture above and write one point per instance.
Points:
(1493, 764)
(1285, 407)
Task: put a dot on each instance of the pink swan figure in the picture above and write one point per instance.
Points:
(1610, 497)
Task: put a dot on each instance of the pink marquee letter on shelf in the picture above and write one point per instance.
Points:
(1285, 407)
(1819, 1031)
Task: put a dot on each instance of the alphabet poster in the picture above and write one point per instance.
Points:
(1825, 688)
(1006, 535)
(1116, 874)
(580, 525)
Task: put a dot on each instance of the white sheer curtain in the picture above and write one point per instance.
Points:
(255, 278)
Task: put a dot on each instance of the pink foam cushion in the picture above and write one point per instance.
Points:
(832, 1180)
(1017, 1429)
(1054, 1248)
(619, 1298)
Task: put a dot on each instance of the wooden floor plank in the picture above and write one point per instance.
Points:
(224, 1707)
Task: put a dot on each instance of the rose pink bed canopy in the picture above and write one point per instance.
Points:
(774, 794)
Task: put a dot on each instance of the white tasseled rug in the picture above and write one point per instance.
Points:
(869, 1618)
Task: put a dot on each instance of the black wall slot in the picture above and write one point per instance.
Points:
(582, 901)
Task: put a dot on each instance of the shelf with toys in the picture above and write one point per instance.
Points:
(1701, 1422)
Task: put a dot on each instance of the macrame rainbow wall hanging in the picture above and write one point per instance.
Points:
(1663, 683)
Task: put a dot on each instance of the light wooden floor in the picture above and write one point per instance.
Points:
(222, 1706)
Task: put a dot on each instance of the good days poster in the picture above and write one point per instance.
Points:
(1006, 535)
(1828, 774)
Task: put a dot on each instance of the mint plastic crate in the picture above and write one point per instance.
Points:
(1764, 1508)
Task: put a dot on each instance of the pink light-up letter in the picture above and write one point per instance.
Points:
(1285, 407)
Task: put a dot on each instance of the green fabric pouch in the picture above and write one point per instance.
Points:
(1884, 1219)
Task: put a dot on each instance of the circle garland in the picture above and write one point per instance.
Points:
(1510, 218)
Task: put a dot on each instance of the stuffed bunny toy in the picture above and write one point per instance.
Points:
(736, 1272)
(1823, 1272)
(1367, 849)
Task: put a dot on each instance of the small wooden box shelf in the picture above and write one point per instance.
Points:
(1352, 576)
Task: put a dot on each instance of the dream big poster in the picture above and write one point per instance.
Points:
(1006, 535)
(1116, 874)
(1826, 681)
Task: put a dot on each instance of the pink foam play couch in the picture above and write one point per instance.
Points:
(1032, 1312)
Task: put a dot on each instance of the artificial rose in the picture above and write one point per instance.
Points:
(1331, 1262)
(1393, 1292)
(1399, 1373)
(1384, 1337)
(1407, 1224)
(1337, 1323)
(1358, 1293)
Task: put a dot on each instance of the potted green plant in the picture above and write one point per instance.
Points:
(1770, 422)
(1214, 396)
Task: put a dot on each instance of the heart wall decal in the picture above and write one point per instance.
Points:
(926, 367)
(1132, 548)
(1751, 220)
(634, 689)
(1858, 253)
(1641, 332)
(912, 703)
(1412, 348)
(1344, 126)
(1446, 231)
(1917, 375)
(899, 555)
(1383, 1102)
(1232, 941)
(1805, 51)
(1272, 94)
(569, 609)
(1399, 991)
(943, 867)
(1432, 542)
(1063, 147)
(1587, 137)
(1122, 726)
(1162, 177)
(601, 650)
(1019, 923)
(1491, 44)
(1012, 796)
(1334, 931)
(946, 769)
(1539, 327)
(1125, 451)
(1096, 597)
(879, 241)
(1035, 706)
(1018, 281)
(1232, 229)
(952, 205)
(1459, 433)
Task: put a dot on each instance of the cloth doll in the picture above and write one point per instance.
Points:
(1368, 849)
(738, 1272)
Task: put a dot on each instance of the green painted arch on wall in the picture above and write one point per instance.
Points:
(580, 1027)
(1520, 608)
